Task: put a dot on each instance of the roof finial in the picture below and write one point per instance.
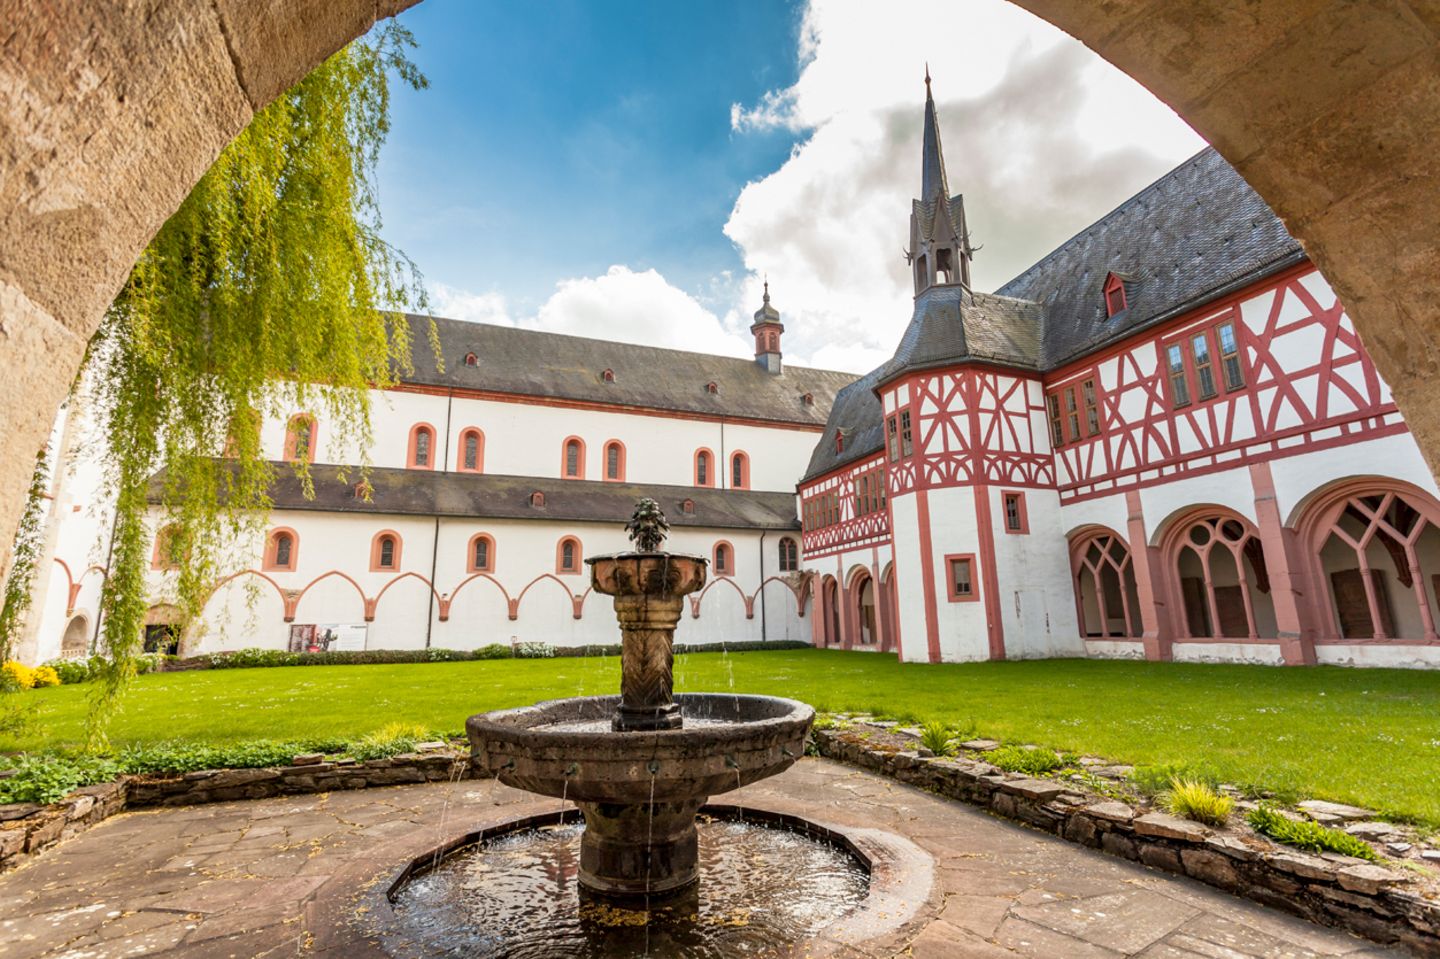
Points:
(927, 76)
(767, 287)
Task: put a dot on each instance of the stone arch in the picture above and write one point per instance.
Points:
(828, 620)
(75, 641)
(1370, 550)
(862, 611)
(1216, 576)
(1102, 573)
(1293, 94)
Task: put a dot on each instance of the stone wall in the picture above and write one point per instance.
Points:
(1370, 900)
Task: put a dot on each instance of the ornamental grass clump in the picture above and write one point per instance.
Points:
(937, 737)
(1191, 799)
(1018, 759)
(1306, 834)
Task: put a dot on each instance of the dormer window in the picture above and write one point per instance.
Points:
(471, 359)
(839, 441)
(537, 500)
(688, 507)
(808, 399)
(608, 376)
(1114, 295)
(363, 490)
(712, 388)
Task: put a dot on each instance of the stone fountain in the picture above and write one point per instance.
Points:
(640, 765)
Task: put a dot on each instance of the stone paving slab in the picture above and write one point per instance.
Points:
(266, 878)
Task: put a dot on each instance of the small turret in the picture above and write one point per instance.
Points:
(940, 250)
(767, 329)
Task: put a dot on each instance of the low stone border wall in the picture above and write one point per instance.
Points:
(1384, 905)
(27, 828)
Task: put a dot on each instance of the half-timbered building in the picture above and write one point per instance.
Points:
(1163, 440)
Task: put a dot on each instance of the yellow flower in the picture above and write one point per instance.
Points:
(45, 676)
(19, 674)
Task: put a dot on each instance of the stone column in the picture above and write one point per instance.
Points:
(647, 659)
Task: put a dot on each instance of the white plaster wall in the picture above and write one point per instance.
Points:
(1109, 511)
(964, 636)
(1230, 488)
(1296, 477)
(1112, 649)
(1036, 600)
(1396, 656)
(909, 584)
(1259, 654)
(528, 440)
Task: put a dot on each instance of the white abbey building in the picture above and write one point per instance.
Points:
(1163, 440)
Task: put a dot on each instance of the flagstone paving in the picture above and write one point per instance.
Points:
(281, 877)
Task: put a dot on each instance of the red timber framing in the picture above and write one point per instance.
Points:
(845, 509)
(1298, 380)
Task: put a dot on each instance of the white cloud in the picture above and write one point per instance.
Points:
(620, 305)
(1041, 135)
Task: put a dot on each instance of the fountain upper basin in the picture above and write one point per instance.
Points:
(729, 741)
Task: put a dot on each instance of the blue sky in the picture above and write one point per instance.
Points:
(558, 139)
(632, 169)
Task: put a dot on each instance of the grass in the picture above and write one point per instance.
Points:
(1308, 835)
(1018, 759)
(1199, 801)
(1365, 736)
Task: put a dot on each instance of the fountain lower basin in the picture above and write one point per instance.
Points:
(639, 790)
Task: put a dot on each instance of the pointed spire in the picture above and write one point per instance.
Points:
(932, 179)
(767, 289)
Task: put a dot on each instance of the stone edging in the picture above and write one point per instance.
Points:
(1361, 897)
(28, 828)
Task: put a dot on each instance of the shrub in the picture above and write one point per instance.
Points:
(1307, 835)
(1018, 759)
(45, 676)
(49, 778)
(389, 740)
(1198, 801)
(16, 675)
(937, 738)
(534, 651)
(494, 651)
(70, 671)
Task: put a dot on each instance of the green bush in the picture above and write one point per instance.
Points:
(70, 671)
(494, 651)
(1307, 835)
(534, 650)
(937, 738)
(1018, 759)
(50, 778)
(1198, 801)
(1153, 781)
(389, 740)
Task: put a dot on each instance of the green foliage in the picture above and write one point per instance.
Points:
(269, 292)
(494, 651)
(1156, 780)
(389, 740)
(49, 778)
(937, 737)
(1018, 759)
(23, 554)
(1306, 834)
(534, 651)
(184, 757)
(1199, 801)
(70, 671)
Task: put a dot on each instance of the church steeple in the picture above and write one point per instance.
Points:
(767, 329)
(940, 250)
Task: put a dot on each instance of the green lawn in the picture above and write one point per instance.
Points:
(1366, 736)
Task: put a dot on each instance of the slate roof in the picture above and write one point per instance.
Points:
(531, 363)
(481, 496)
(1194, 235)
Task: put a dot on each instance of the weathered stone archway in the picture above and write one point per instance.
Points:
(111, 110)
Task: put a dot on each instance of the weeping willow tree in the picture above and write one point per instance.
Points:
(24, 555)
(269, 291)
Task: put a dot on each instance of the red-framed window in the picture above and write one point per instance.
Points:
(567, 555)
(1114, 295)
(1057, 425)
(789, 555)
(282, 550)
(962, 579)
(1204, 364)
(704, 468)
(724, 555)
(572, 458)
(615, 461)
(1014, 516)
(421, 452)
(480, 554)
(899, 440)
(471, 457)
(1074, 412)
(300, 438)
(740, 470)
(167, 553)
(385, 551)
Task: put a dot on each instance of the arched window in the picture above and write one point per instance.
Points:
(480, 555)
(1222, 581)
(471, 360)
(1114, 295)
(789, 555)
(1105, 592)
(1378, 557)
(567, 555)
(76, 640)
(422, 447)
(282, 550)
(614, 461)
(385, 551)
(608, 376)
(703, 475)
(712, 388)
(740, 471)
(300, 438)
(167, 553)
(572, 460)
(537, 500)
(472, 451)
(724, 559)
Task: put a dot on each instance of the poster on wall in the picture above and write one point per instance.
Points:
(327, 637)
